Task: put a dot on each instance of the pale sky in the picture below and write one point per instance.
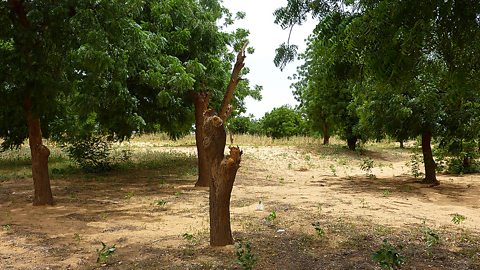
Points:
(265, 37)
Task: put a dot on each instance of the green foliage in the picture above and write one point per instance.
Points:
(245, 258)
(283, 122)
(457, 218)
(430, 236)
(367, 166)
(390, 68)
(272, 216)
(318, 229)
(388, 257)
(94, 154)
(414, 164)
(188, 236)
(104, 253)
(240, 124)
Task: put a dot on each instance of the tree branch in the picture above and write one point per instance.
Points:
(18, 9)
(226, 109)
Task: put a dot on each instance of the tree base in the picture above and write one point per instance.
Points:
(430, 183)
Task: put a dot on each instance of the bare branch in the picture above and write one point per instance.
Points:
(232, 85)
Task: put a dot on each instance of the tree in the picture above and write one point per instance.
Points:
(223, 169)
(327, 81)
(65, 64)
(283, 122)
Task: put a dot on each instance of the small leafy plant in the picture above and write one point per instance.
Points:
(457, 218)
(430, 236)
(333, 169)
(188, 236)
(414, 164)
(272, 216)
(367, 166)
(388, 257)
(160, 202)
(244, 255)
(318, 229)
(105, 253)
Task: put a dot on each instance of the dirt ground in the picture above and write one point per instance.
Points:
(157, 220)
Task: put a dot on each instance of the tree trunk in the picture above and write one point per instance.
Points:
(326, 134)
(222, 176)
(401, 144)
(430, 177)
(201, 104)
(39, 153)
(223, 169)
(352, 143)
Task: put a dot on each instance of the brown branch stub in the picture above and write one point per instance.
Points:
(234, 80)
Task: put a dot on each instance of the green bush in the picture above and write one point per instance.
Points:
(95, 153)
(283, 122)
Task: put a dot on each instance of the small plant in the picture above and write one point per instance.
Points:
(188, 236)
(160, 202)
(77, 237)
(388, 257)
(178, 194)
(333, 169)
(363, 203)
(7, 227)
(414, 164)
(387, 193)
(129, 195)
(457, 218)
(430, 236)
(105, 253)
(244, 254)
(272, 216)
(318, 229)
(367, 166)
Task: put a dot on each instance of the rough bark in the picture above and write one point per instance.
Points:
(430, 177)
(222, 176)
(352, 143)
(40, 154)
(326, 134)
(223, 169)
(201, 101)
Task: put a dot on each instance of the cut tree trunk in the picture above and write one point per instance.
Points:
(430, 177)
(223, 169)
(326, 134)
(352, 143)
(201, 104)
(40, 154)
(223, 172)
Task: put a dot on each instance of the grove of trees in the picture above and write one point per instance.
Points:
(391, 68)
(89, 72)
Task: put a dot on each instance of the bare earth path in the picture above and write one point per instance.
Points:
(147, 212)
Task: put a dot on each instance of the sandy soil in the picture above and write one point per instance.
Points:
(146, 213)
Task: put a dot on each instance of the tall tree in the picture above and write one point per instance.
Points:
(70, 62)
(327, 81)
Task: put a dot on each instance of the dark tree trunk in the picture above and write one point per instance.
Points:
(40, 154)
(401, 144)
(352, 143)
(223, 172)
(326, 134)
(201, 104)
(430, 177)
